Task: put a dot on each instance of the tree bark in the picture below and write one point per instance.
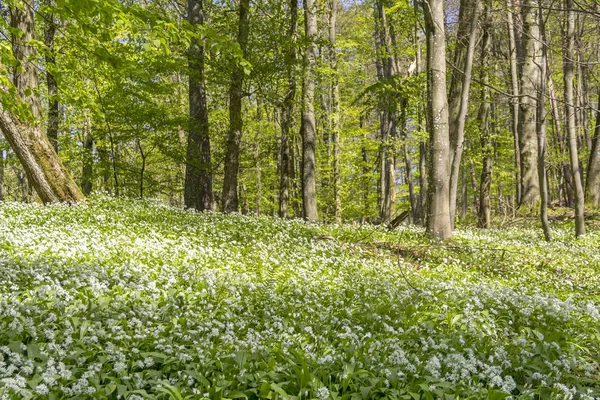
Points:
(198, 190)
(229, 201)
(287, 112)
(457, 124)
(309, 127)
(568, 73)
(44, 170)
(438, 221)
(530, 81)
(593, 176)
(88, 161)
(514, 79)
(541, 130)
(335, 113)
(387, 114)
(53, 110)
(484, 124)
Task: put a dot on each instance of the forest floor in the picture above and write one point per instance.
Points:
(130, 299)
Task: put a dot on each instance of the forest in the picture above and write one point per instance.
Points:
(285, 199)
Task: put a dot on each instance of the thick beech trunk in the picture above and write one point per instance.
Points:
(530, 81)
(438, 220)
(198, 191)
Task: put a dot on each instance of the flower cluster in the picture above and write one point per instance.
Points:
(135, 300)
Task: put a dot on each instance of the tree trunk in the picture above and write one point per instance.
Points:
(457, 125)
(52, 129)
(229, 201)
(387, 114)
(335, 113)
(309, 127)
(198, 191)
(514, 78)
(438, 220)
(484, 124)
(88, 161)
(286, 117)
(568, 73)
(44, 170)
(541, 129)
(530, 81)
(593, 176)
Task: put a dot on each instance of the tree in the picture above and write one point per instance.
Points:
(460, 101)
(568, 68)
(309, 126)
(287, 112)
(198, 193)
(335, 112)
(438, 219)
(44, 170)
(530, 81)
(229, 202)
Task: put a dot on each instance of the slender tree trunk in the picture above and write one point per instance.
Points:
(568, 73)
(53, 111)
(514, 78)
(530, 81)
(198, 190)
(287, 112)
(335, 113)
(541, 130)
(2, 167)
(410, 179)
(438, 220)
(593, 176)
(387, 123)
(87, 171)
(457, 125)
(44, 170)
(484, 124)
(309, 131)
(229, 201)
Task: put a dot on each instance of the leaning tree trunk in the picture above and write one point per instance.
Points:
(198, 192)
(457, 124)
(309, 127)
(286, 115)
(229, 201)
(44, 170)
(438, 219)
(568, 72)
(530, 81)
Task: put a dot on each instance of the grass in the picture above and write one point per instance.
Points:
(128, 299)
